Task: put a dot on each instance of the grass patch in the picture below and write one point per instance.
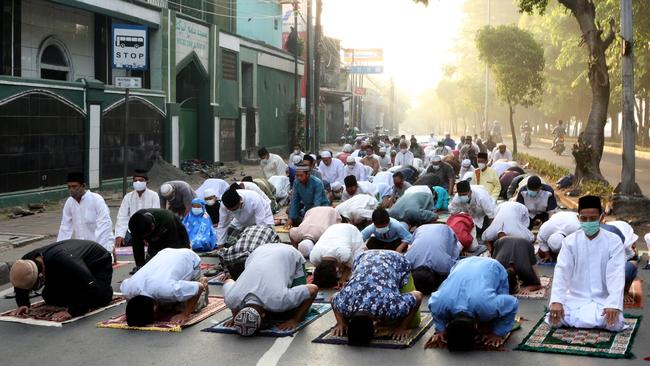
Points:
(542, 167)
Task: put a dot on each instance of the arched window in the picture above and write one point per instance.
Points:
(54, 61)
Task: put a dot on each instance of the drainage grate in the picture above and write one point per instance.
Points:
(18, 239)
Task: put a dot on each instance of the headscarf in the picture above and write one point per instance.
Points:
(200, 230)
(442, 198)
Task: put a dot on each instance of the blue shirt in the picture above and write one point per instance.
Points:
(395, 231)
(310, 195)
(374, 287)
(614, 230)
(478, 287)
(434, 246)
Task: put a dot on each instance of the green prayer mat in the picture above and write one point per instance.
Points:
(582, 342)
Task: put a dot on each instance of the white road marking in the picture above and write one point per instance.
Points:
(7, 291)
(273, 355)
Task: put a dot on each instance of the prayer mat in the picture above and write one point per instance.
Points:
(124, 251)
(316, 311)
(41, 314)
(546, 264)
(480, 345)
(208, 254)
(281, 229)
(542, 293)
(119, 264)
(214, 281)
(382, 338)
(164, 324)
(481, 251)
(206, 266)
(636, 290)
(443, 216)
(582, 342)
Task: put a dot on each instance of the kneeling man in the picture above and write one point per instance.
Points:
(76, 275)
(474, 301)
(172, 282)
(264, 289)
(589, 277)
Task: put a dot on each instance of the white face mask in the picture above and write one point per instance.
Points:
(210, 202)
(197, 211)
(435, 167)
(296, 152)
(382, 230)
(403, 151)
(481, 166)
(264, 161)
(139, 186)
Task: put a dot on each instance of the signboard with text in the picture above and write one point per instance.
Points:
(130, 46)
(192, 37)
(128, 82)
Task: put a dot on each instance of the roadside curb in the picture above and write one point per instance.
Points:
(4, 273)
(566, 201)
(609, 149)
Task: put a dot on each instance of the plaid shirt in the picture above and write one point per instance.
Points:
(249, 240)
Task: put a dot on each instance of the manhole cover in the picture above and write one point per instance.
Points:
(18, 239)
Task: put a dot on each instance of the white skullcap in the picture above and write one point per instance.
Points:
(382, 150)
(325, 154)
(351, 159)
(347, 148)
(467, 163)
(647, 239)
(166, 190)
(209, 193)
(436, 159)
(336, 186)
(305, 247)
(555, 241)
(296, 159)
(313, 156)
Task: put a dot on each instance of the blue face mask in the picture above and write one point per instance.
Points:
(197, 211)
(463, 199)
(590, 227)
(532, 194)
(382, 230)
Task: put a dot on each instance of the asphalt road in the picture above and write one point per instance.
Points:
(610, 165)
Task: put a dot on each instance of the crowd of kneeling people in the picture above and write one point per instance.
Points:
(385, 223)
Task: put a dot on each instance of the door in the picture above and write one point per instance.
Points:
(188, 134)
(228, 140)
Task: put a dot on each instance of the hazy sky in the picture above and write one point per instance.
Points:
(416, 39)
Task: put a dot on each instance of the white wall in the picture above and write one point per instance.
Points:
(75, 28)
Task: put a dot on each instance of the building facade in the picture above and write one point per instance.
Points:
(60, 110)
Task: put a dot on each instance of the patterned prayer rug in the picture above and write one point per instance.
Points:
(316, 311)
(636, 290)
(164, 324)
(281, 229)
(480, 345)
(208, 254)
(41, 314)
(542, 293)
(443, 216)
(119, 264)
(124, 251)
(382, 338)
(583, 342)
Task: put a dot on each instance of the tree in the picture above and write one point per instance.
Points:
(517, 61)
(589, 149)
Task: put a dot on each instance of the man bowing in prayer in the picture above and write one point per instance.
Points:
(589, 276)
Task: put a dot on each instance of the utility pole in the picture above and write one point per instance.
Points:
(392, 105)
(487, 74)
(317, 71)
(310, 79)
(296, 77)
(628, 186)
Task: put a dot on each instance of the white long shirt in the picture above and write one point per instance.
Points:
(167, 277)
(250, 186)
(497, 155)
(563, 222)
(362, 188)
(341, 241)
(254, 211)
(131, 203)
(403, 159)
(357, 208)
(88, 219)
(358, 170)
(219, 186)
(332, 173)
(589, 271)
(480, 205)
(512, 219)
(274, 166)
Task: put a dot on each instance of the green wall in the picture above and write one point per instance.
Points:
(274, 90)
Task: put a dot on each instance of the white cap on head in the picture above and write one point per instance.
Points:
(305, 247)
(336, 186)
(466, 163)
(436, 159)
(325, 154)
(296, 159)
(347, 148)
(166, 190)
(382, 150)
(209, 193)
(247, 321)
(351, 159)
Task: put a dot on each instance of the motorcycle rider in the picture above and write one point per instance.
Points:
(496, 132)
(526, 131)
(558, 132)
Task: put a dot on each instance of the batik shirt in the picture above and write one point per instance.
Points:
(374, 287)
(250, 239)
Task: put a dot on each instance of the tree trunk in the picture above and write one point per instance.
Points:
(588, 155)
(646, 120)
(512, 128)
